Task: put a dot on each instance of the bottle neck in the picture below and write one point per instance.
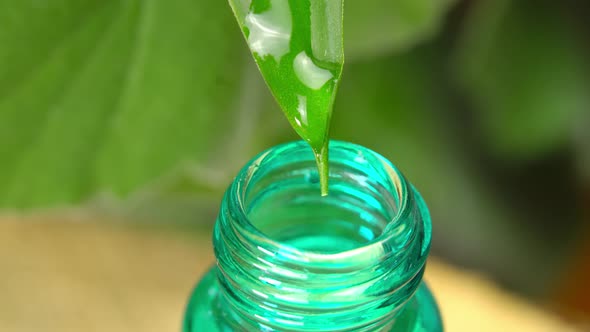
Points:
(290, 259)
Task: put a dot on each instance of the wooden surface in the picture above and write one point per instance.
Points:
(77, 275)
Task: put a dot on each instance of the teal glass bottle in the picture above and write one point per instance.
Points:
(289, 259)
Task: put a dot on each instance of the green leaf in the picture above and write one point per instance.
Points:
(298, 48)
(527, 74)
(383, 26)
(109, 95)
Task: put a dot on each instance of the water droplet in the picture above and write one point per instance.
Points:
(270, 31)
(310, 74)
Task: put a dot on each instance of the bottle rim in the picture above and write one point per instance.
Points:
(407, 194)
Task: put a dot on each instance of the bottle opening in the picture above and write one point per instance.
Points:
(290, 259)
(283, 201)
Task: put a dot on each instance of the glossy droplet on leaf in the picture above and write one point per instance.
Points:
(298, 48)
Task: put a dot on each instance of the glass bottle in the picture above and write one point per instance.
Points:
(289, 259)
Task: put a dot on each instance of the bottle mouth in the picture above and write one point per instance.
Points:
(284, 251)
(278, 202)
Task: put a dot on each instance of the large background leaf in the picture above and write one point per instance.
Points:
(119, 100)
(108, 96)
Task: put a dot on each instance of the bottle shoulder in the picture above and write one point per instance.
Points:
(205, 311)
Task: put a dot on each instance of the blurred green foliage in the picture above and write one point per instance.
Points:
(526, 71)
(150, 107)
(120, 95)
